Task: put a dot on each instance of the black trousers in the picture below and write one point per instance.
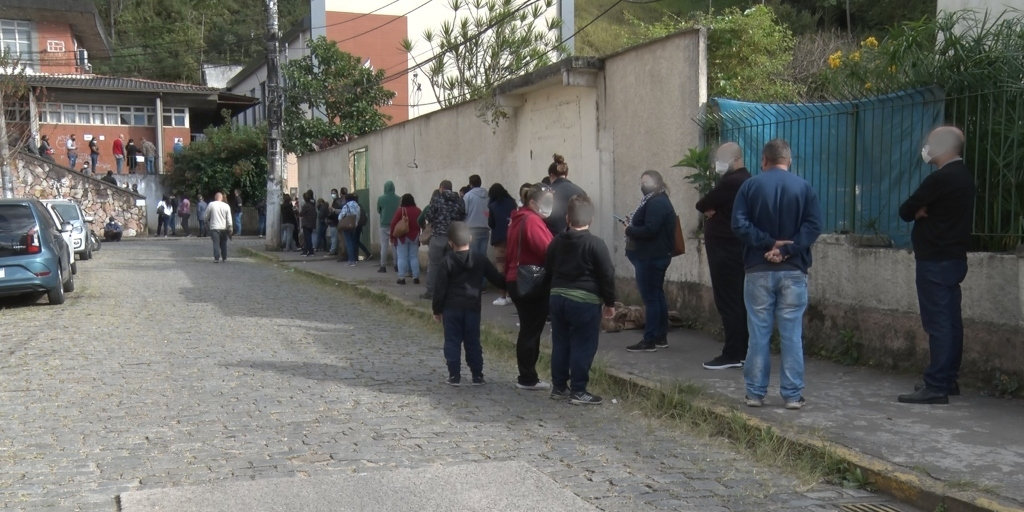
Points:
(533, 316)
(725, 261)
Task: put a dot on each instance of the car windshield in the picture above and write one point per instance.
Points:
(67, 211)
(15, 222)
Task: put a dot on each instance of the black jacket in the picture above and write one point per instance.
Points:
(307, 215)
(652, 232)
(720, 199)
(563, 190)
(288, 214)
(459, 281)
(578, 260)
(945, 233)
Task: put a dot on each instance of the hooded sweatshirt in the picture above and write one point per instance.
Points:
(387, 204)
(445, 208)
(476, 208)
(460, 281)
(529, 230)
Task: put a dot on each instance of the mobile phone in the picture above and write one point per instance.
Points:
(620, 219)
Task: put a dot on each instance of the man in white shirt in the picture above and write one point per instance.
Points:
(218, 221)
(72, 151)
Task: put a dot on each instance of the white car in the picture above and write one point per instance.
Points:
(58, 220)
(70, 212)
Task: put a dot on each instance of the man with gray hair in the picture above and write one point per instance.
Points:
(218, 218)
(777, 217)
(942, 210)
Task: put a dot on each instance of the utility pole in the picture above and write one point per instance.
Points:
(275, 157)
(567, 12)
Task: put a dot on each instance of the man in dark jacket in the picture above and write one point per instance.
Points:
(332, 220)
(725, 255)
(582, 291)
(444, 209)
(456, 302)
(564, 190)
(942, 210)
(777, 217)
(109, 178)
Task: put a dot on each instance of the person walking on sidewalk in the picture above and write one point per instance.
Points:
(348, 219)
(117, 150)
(942, 210)
(650, 239)
(387, 205)
(582, 292)
(307, 221)
(201, 214)
(407, 246)
(444, 209)
(725, 256)
(528, 242)
(564, 190)
(476, 215)
(499, 214)
(184, 212)
(289, 221)
(456, 302)
(218, 217)
(777, 217)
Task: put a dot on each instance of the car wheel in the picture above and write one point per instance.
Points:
(69, 286)
(74, 268)
(87, 255)
(56, 295)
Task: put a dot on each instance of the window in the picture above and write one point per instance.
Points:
(111, 115)
(176, 117)
(16, 38)
(55, 46)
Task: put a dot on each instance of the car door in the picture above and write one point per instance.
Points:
(62, 239)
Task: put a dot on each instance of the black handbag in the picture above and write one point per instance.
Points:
(530, 279)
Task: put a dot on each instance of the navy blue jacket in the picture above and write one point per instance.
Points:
(776, 205)
(498, 218)
(652, 231)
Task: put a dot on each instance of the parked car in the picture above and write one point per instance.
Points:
(66, 235)
(34, 258)
(80, 234)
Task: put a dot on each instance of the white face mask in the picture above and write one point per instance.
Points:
(721, 167)
(924, 154)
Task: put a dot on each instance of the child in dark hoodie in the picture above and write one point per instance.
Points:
(457, 302)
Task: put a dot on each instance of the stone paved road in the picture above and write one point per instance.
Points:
(167, 370)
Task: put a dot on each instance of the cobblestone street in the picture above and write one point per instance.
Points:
(164, 369)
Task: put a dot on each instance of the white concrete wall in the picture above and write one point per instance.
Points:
(994, 7)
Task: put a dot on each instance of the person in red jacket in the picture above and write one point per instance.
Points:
(407, 246)
(528, 239)
(118, 151)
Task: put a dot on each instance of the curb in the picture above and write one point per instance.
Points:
(908, 487)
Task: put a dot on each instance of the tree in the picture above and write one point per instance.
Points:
(485, 43)
(229, 157)
(15, 125)
(330, 98)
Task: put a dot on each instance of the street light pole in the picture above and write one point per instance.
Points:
(275, 156)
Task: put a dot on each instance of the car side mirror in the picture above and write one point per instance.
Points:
(66, 227)
(89, 219)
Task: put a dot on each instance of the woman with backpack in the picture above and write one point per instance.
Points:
(348, 222)
(405, 235)
(307, 220)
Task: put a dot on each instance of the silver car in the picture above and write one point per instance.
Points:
(72, 213)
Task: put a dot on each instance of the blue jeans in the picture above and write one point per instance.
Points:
(650, 280)
(462, 328)
(939, 296)
(778, 298)
(119, 160)
(332, 231)
(351, 245)
(408, 255)
(287, 238)
(202, 227)
(263, 224)
(174, 223)
(238, 223)
(575, 327)
(72, 160)
(150, 168)
(94, 158)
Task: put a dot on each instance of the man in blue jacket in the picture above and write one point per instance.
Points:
(777, 217)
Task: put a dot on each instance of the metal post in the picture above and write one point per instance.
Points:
(159, 135)
(275, 163)
(567, 11)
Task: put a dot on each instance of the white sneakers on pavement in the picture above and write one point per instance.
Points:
(502, 301)
(539, 386)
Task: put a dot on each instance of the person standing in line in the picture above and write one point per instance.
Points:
(387, 205)
(725, 256)
(407, 246)
(162, 216)
(118, 151)
(332, 220)
(94, 153)
(650, 240)
(201, 214)
(320, 236)
(307, 221)
(364, 219)
(131, 152)
(45, 150)
(185, 212)
(218, 217)
(173, 220)
(72, 147)
(236, 211)
(777, 217)
(261, 216)
(348, 218)
(456, 302)
(582, 292)
(149, 153)
(528, 240)
(499, 214)
(289, 221)
(476, 215)
(445, 208)
(564, 190)
(942, 210)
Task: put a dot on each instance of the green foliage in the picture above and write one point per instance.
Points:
(230, 157)
(1005, 385)
(703, 178)
(344, 96)
(854, 478)
(846, 351)
(485, 43)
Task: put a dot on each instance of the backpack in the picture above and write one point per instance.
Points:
(160, 210)
(363, 218)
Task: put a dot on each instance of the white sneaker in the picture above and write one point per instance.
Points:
(502, 301)
(539, 386)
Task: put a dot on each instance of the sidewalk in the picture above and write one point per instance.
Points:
(975, 443)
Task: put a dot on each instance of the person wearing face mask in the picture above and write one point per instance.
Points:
(725, 255)
(650, 239)
(332, 220)
(564, 190)
(528, 240)
(942, 210)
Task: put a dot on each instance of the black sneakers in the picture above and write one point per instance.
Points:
(416, 281)
(662, 343)
(954, 390)
(382, 270)
(584, 398)
(401, 281)
(454, 380)
(559, 394)
(723, 363)
(643, 346)
(478, 380)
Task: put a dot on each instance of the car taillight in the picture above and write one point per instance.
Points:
(32, 241)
